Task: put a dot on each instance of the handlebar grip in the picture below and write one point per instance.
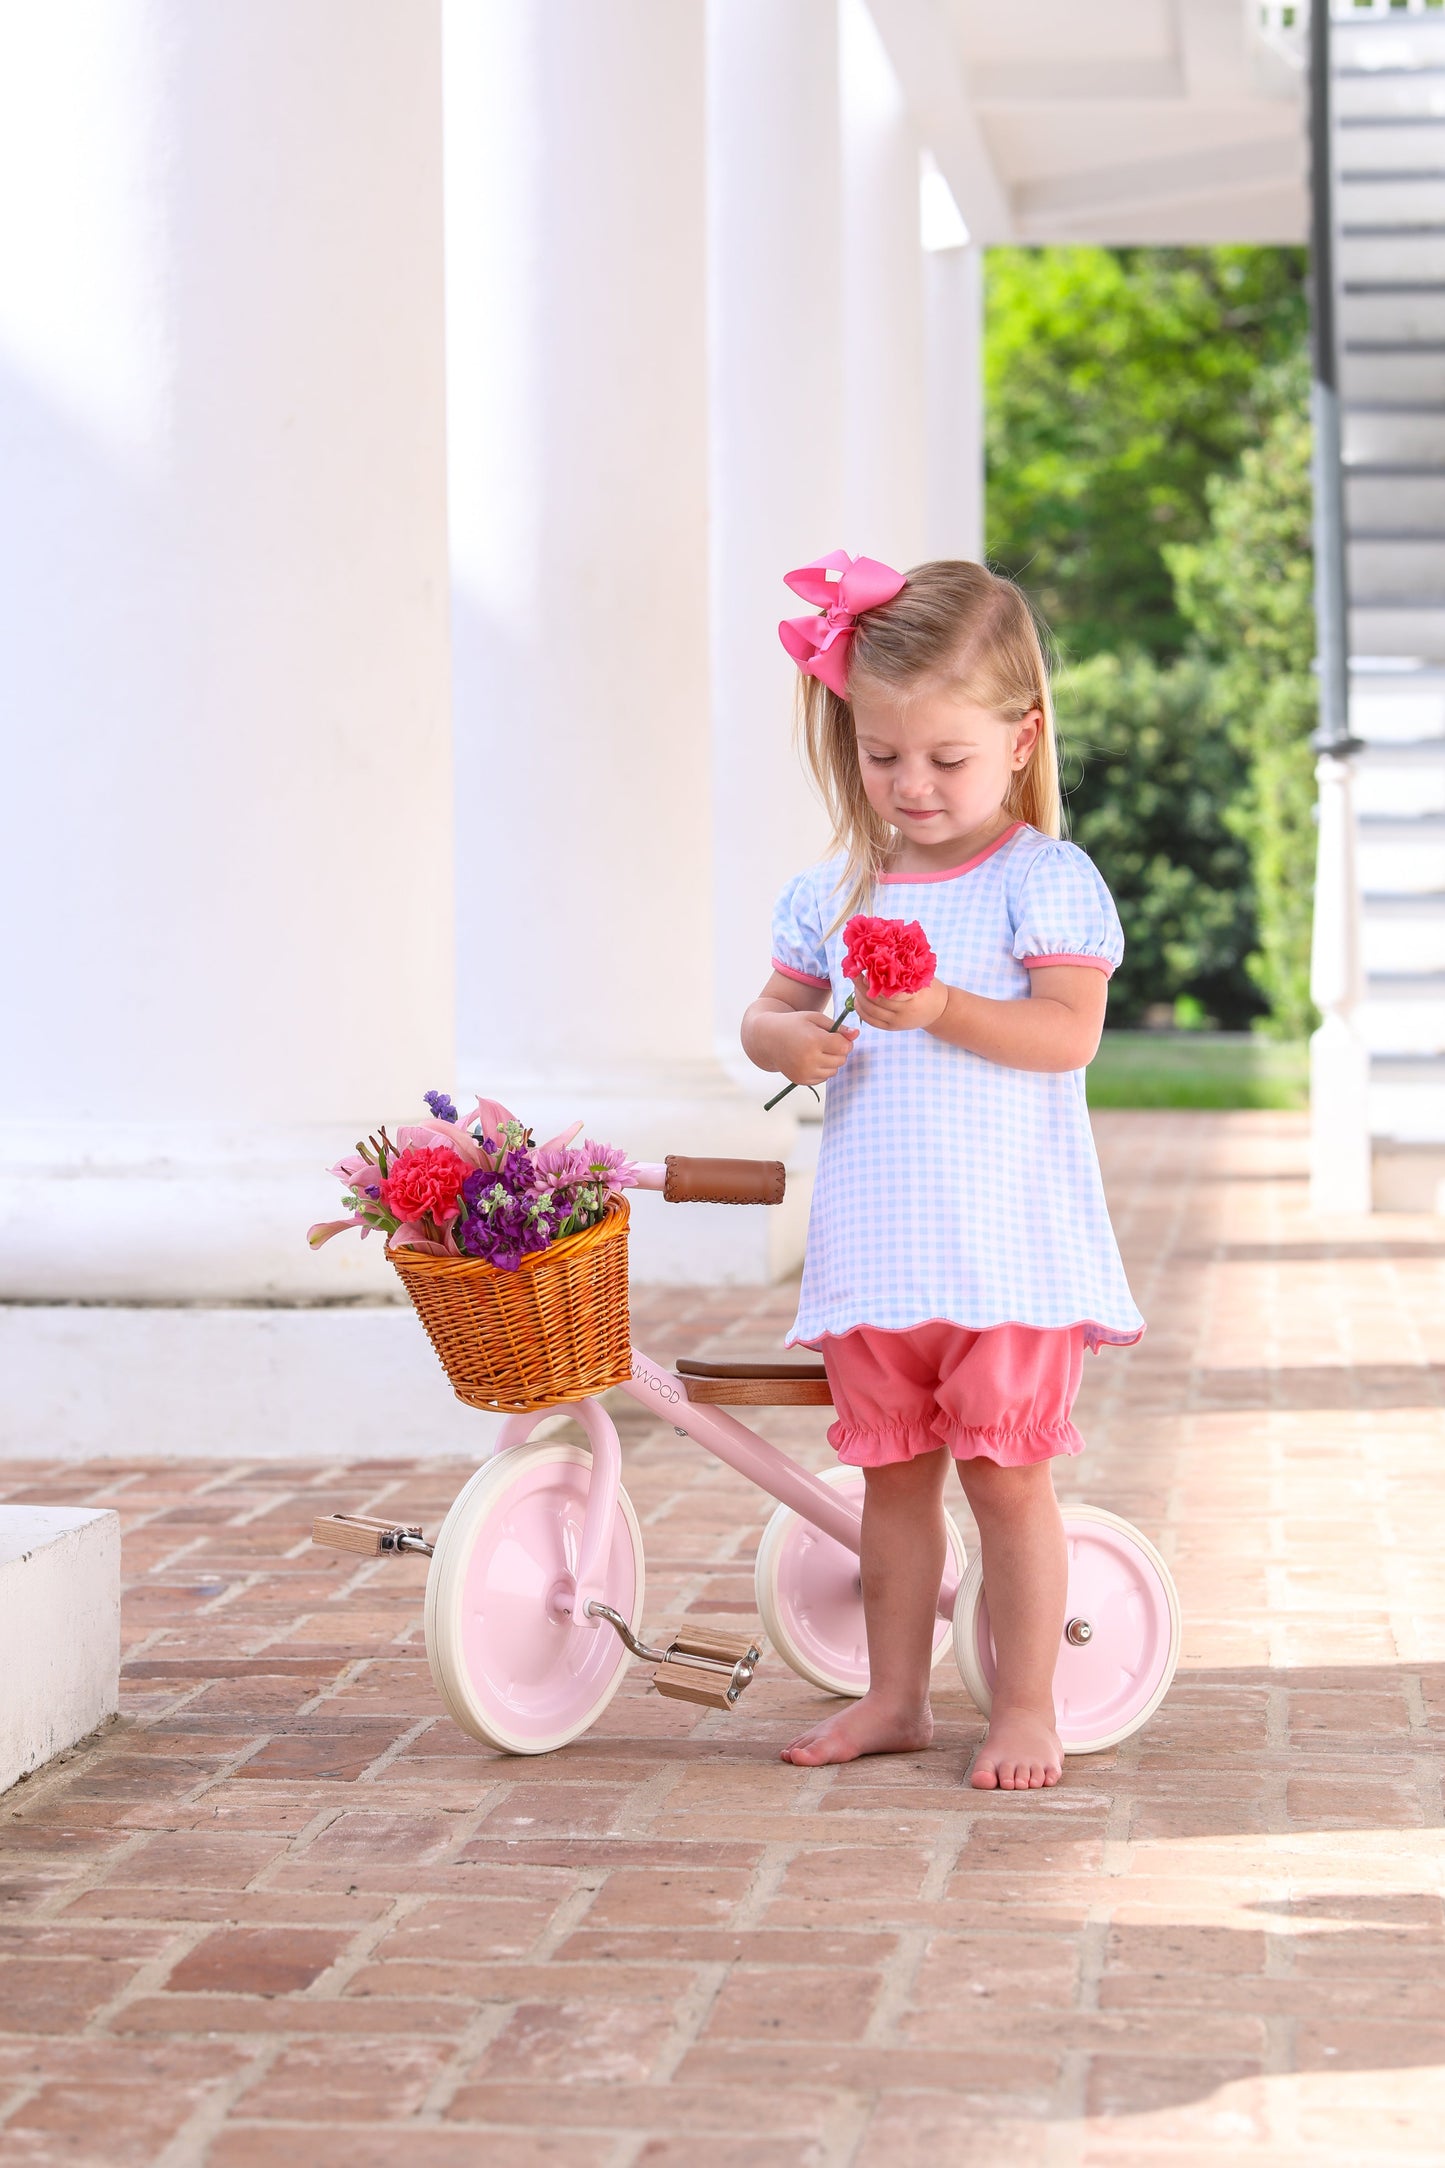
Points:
(724, 1181)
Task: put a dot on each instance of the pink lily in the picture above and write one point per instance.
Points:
(352, 1169)
(325, 1229)
(450, 1134)
(491, 1114)
(563, 1137)
(409, 1236)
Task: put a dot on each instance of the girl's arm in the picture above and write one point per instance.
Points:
(1058, 1027)
(785, 1029)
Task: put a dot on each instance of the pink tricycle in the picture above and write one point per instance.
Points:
(534, 1597)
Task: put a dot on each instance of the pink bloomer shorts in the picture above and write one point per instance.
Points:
(1003, 1395)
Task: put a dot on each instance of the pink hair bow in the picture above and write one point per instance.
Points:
(819, 645)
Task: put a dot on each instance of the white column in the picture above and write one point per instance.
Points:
(776, 344)
(579, 477)
(953, 317)
(223, 632)
(883, 331)
(1339, 1061)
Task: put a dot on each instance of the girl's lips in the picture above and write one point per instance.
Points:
(931, 815)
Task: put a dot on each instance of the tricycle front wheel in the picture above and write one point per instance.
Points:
(510, 1667)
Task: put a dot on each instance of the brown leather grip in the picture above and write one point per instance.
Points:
(724, 1181)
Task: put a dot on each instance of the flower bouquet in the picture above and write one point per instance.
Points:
(891, 956)
(514, 1254)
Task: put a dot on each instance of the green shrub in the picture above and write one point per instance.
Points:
(1247, 593)
(1151, 773)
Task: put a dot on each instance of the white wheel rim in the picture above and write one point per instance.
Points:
(478, 1499)
(805, 1658)
(966, 1631)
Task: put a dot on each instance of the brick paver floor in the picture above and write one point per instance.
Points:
(284, 1912)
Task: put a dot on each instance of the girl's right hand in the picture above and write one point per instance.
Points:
(806, 1048)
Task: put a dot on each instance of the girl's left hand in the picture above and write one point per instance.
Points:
(904, 1012)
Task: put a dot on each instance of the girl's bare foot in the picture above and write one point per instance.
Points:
(1020, 1753)
(869, 1726)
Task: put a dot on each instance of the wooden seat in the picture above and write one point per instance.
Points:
(756, 1385)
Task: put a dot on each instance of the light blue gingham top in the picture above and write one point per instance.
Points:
(948, 1186)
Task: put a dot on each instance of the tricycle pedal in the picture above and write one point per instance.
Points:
(707, 1667)
(698, 1664)
(367, 1535)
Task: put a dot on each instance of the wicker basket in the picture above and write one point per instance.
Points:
(555, 1329)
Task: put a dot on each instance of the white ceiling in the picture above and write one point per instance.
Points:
(1107, 120)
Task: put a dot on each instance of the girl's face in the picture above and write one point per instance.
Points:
(937, 767)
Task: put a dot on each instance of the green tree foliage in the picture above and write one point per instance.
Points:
(1246, 592)
(1118, 381)
(1150, 772)
(1148, 482)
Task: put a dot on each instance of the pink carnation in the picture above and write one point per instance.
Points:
(891, 955)
(425, 1178)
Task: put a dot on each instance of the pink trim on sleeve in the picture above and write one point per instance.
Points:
(1095, 963)
(804, 978)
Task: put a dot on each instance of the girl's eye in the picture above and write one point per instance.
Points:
(880, 760)
(952, 763)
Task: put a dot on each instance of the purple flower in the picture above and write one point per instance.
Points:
(477, 1186)
(441, 1106)
(517, 1173)
(504, 1236)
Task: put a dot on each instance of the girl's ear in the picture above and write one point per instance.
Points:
(1026, 737)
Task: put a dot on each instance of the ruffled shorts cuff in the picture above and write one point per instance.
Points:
(859, 1448)
(1012, 1448)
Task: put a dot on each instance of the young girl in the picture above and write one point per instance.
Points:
(960, 1257)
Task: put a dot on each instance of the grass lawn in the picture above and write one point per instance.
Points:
(1198, 1069)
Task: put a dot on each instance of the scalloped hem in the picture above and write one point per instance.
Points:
(1096, 1336)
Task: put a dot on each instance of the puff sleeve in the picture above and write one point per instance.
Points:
(798, 948)
(1066, 914)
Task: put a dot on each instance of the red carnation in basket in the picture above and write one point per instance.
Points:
(891, 955)
(425, 1178)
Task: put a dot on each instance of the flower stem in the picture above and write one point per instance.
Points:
(769, 1104)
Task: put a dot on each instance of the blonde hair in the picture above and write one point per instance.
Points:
(968, 628)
